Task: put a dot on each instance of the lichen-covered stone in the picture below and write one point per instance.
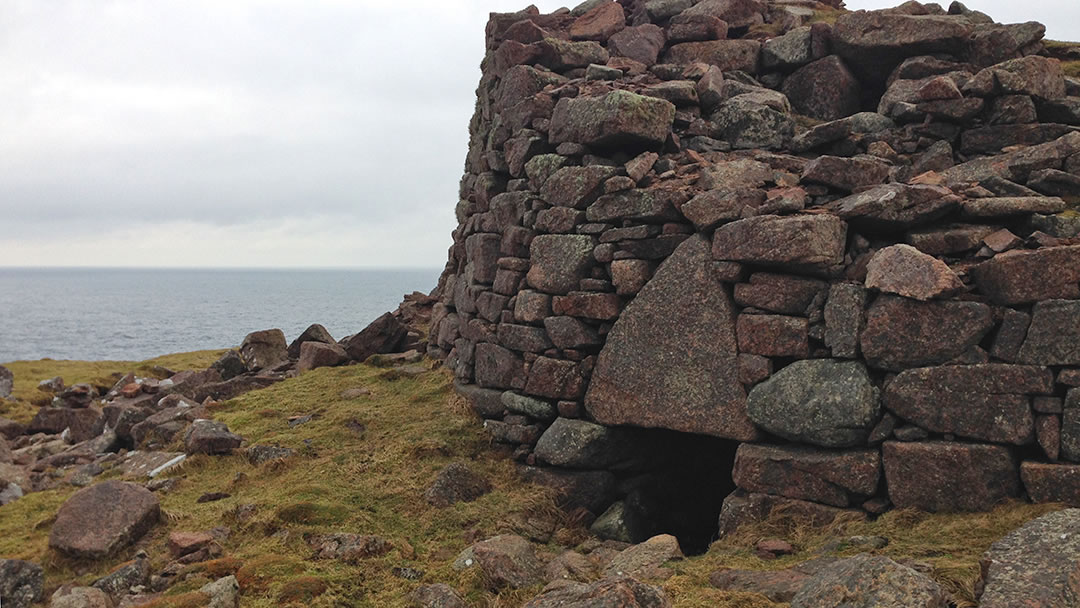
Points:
(819, 401)
(1035, 565)
(869, 581)
(559, 262)
(620, 118)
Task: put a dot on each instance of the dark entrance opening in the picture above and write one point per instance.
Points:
(684, 490)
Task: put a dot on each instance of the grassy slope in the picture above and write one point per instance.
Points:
(372, 483)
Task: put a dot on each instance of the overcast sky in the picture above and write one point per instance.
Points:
(253, 133)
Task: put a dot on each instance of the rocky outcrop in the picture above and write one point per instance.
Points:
(841, 246)
(1034, 565)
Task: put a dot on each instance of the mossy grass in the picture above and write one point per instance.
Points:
(361, 465)
(98, 373)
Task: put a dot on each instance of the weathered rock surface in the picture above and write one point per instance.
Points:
(579, 444)
(264, 349)
(984, 402)
(941, 476)
(210, 437)
(834, 478)
(98, 521)
(823, 402)
(903, 333)
(621, 592)
(815, 241)
(504, 561)
(1034, 565)
(314, 354)
(20, 582)
(670, 359)
(383, 335)
(906, 271)
(456, 483)
(618, 118)
(869, 581)
(1053, 338)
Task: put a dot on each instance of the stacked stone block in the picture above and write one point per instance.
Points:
(847, 247)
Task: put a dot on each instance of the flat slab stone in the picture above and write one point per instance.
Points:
(141, 464)
(902, 333)
(987, 402)
(1019, 277)
(895, 207)
(815, 241)
(670, 360)
(939, 476)
(831, 477)
(102, 519)
(1034, 566)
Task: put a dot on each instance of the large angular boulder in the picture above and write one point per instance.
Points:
(803, 241)
(559, 262)
(745, 122)
(20, 582)
(383, 335)
(869, 581)
(670, 359)
(902, 333)
(600, 23)
(318, 354)
(1034, 566)
(102, 519)
(1054, 335)
(504, 561)
(619, 118)
(314, 333)
(940, 476)
(824, 402)
(984, 402)
(837, 478)
(642, 43)
(210, 437)
(622, 592)
(874, 42)
(908, 272)
(1022, 276)
(825, 89)
(80, 424)
(264, 349)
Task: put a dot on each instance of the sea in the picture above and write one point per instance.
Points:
(138, 314)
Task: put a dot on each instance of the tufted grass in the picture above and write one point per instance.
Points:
(361, 465)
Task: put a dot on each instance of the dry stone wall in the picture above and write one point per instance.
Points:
(846, 248)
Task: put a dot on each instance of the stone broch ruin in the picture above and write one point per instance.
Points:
(719, 256)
